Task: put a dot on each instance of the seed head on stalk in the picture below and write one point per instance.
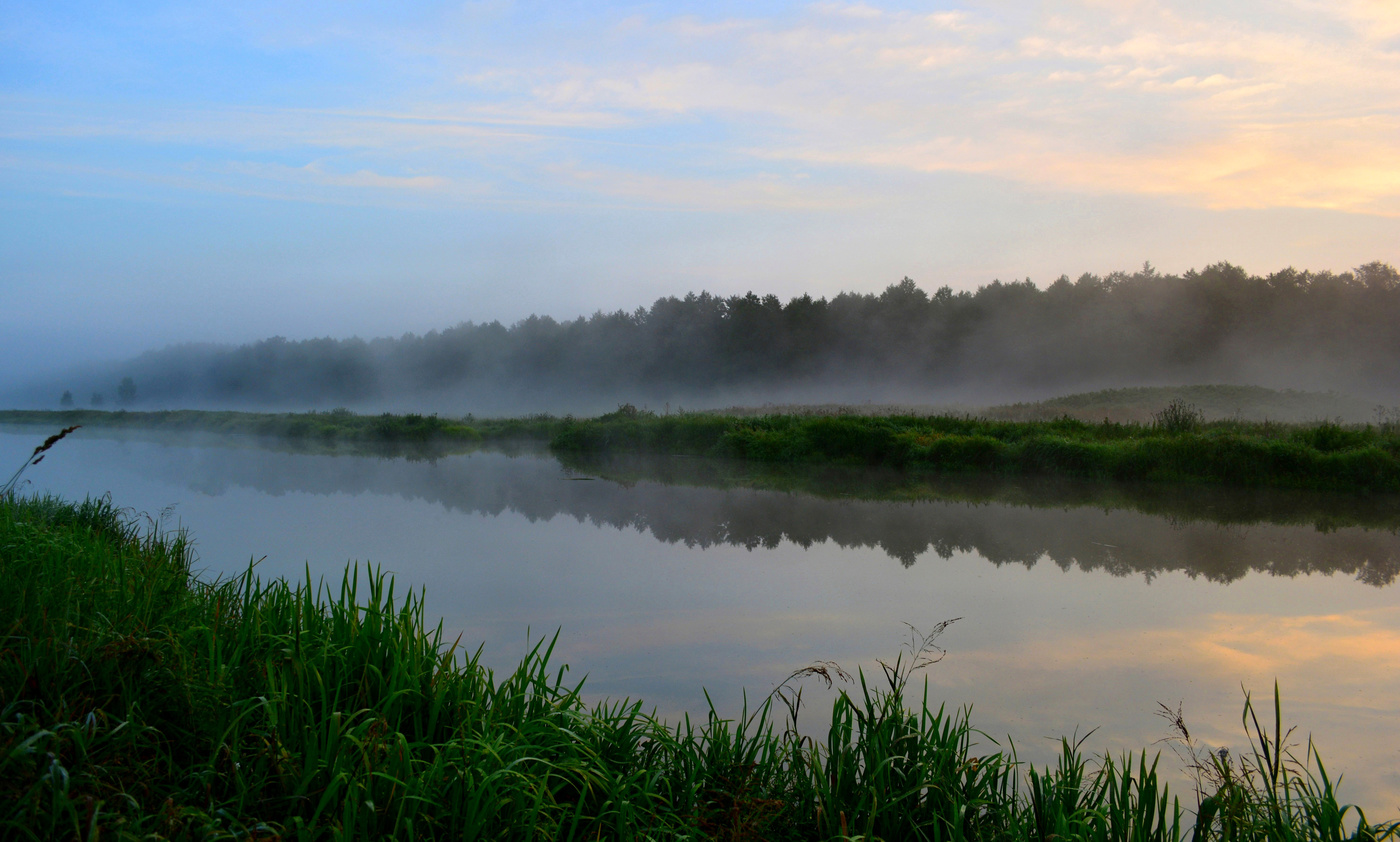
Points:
(35, 458)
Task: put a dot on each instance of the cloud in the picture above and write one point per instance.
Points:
(316, 173)
(1259, 106)
(1373, 20)
(1222, 112)
(849, 10)
(762, 190)
(288, 128)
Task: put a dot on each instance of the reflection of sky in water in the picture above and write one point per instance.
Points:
(1049, 641)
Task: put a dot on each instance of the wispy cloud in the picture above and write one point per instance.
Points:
(315, 173)
(1225, 112)
(1264, 105)
(758, 190)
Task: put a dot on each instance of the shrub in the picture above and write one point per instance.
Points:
(1178, 417)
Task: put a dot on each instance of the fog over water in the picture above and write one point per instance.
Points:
(908, 344)
(1075, 614)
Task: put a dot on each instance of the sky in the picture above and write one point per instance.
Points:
(226, 172)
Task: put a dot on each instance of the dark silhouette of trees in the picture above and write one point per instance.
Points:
(1219, 324)
(67, 399)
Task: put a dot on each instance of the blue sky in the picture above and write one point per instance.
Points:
(226, 172)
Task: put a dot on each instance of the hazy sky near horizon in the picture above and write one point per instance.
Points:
(226, 172)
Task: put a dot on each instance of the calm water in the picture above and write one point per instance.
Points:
(1073, 616)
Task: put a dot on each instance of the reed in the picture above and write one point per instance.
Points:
(37, 456)
(139, 702)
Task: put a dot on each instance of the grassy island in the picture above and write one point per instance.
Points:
(1177, 446)
(140, 702)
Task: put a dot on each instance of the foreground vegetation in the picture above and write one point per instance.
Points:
(137, 702)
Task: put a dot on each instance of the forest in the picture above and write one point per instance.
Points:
(1289, 329)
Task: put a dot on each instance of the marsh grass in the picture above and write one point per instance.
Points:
(1177, 447)
(333, 426)
(140, 702)
(1216, 402)
(1266, 791)
(1181, 448)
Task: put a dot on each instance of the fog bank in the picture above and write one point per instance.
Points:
(1006, 341)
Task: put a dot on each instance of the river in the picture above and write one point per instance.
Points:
(1075, 613)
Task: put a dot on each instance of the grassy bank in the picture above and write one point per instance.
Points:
(141, 703)
(1177, 448)
(1131, 404)
(334, 426)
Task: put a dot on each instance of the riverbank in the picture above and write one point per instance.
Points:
(1179, 447)
(138, 700)
(333, 426)
(1322, 456)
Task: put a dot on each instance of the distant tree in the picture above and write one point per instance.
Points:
(97, 399)
(126, 391)
(67, 399)
(1378, 275)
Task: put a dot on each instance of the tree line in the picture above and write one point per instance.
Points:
(1291, 328)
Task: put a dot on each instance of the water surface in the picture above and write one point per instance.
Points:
(1075, 614)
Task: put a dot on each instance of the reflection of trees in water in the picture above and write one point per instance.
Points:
(1119, 541)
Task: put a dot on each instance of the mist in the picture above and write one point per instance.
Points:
(1006, 341)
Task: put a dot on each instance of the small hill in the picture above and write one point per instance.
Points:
(1247, 403)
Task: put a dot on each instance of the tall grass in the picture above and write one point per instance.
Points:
(1267, 791)
(138, 702)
